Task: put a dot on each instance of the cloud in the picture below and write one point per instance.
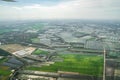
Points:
(71, 3)
(72, 9)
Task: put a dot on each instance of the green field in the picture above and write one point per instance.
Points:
(38, 51)
(3, 60)
(4, 71)
(84, 64)
(35, 40)
(88, 50)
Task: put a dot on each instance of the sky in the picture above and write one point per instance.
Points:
(60, 9)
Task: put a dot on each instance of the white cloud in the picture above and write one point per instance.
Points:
(70, 9)
(71, 3)
(17, 8)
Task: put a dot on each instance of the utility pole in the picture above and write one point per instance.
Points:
(104, 72)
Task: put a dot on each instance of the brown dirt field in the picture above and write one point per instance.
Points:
(12, 47)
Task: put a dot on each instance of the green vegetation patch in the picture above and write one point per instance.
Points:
(84, 64)
(3, 60)
(38, 51)
(88, 50)
(35, 40)
(4, 73)
(4, 70)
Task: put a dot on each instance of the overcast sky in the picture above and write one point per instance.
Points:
(60, 9)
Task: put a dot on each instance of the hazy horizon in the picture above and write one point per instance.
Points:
(60, 9)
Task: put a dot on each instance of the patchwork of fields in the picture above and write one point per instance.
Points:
(83, 64)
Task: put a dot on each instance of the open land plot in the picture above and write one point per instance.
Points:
(12, 47)
(24, 52)
(117, 72)
(82, 64)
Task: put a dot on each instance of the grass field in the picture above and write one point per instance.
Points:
(3, 60)
(38, 51)
(4, 71)
(84, 64)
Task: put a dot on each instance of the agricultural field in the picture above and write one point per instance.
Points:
(38, 51)
(83, 64)
(4, 71)
(3, 60)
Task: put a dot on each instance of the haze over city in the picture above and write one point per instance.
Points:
(60, 9)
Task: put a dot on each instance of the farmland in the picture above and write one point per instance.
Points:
(83, 64)
(38, 51)
(4, 71)
(62, 47)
